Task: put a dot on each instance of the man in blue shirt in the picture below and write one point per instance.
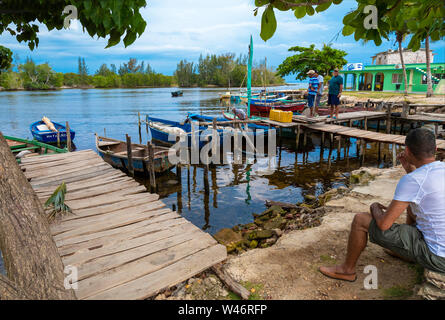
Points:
(335, 90)
(312, 90)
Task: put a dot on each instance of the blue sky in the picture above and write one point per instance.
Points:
(182, 29)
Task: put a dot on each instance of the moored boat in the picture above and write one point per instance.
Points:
(114, 152)
(47, 131)
(263, 109)
(178, 93)
(24, 148)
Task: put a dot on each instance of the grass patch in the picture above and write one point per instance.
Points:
(397, 293)
(327, 259)
(255, 290)
(233, 296)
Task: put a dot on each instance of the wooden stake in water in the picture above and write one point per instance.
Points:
(139, 127)
(68, 137)
(129, 156)
(58, 138)
(151, 166)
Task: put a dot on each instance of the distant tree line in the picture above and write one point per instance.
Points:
(224, 70)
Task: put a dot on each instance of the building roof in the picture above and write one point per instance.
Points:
(396, 51)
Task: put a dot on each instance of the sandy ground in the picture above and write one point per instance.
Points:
(289, 269)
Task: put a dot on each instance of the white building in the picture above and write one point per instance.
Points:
(393, 57)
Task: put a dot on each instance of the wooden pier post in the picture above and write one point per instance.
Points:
(394, 155)
(151, 166)
(366, 123)
(378, 125)
(139, 127)
(58, 138)
(105, 132)
(146, 124)
(363, 151)
(129, 156)
(68, 137)
(338, 147)
(388, 118)
(179, 193)
(298, 137)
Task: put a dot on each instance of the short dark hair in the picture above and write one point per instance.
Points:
(421, 142)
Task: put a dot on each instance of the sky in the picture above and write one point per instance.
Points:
(183, 29)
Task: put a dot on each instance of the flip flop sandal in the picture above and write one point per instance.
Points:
(339, 276)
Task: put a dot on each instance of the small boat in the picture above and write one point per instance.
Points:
(228, 116)
(178, 93)
(23, 148)
(45, 133)
(263, 109)
(114, 152)
(224, 96)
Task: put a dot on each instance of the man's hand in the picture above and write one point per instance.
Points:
(404, 161)
(339, 95)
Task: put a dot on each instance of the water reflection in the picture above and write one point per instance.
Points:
(211, 197)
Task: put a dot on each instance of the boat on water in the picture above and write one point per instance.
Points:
(47, 131)
(263, 109)
(24, 148)
(178, 93)
(114, 152)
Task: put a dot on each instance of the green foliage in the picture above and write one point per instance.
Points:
(323, 61)
(11, 80)
(38, 77)
(101, 18)
(223, 71)
(419, 18)
(5, 58)
(57, 202)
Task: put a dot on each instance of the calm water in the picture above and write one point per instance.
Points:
(225, 195)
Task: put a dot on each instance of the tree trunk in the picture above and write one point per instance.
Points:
(33, 265)
(429, 81)
(405, 78)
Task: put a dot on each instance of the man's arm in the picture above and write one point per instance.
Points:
(341, 89)
(385, 217)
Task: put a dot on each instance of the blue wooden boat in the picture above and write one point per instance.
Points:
(178, 93)
(203, 118)
(114, 152)
(165, 132)
(42, 133)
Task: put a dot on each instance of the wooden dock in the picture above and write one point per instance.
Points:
(123, 240)
(364, 134)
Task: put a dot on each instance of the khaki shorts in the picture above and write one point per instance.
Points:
(407, 241)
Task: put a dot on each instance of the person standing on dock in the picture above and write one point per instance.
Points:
(335, 90)
(421, 192)
(320, 79)
(312, 90)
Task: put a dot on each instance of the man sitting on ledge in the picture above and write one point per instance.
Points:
(422, 193)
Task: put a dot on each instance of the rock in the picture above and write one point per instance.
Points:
(361, 177)
(160, 297)
(223, 293)
(227, 237)
(289, 216)
(260, 234)
(271, 241)
(253, 244)
(309, 197)
(276, 223)
(278, 232)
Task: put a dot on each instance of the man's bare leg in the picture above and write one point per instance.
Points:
(336, 111)
(358, 238)
(331, 110)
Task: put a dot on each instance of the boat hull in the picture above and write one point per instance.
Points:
(264, 110)
(49, 136)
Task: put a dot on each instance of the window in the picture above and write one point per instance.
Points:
(397, 78)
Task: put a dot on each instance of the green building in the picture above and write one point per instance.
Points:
(389, 77)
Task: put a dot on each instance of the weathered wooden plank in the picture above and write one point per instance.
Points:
(80, 258)
(88, 174)
(111, 197)
(35, 177)
(57, 156)
(109, 218)
(85, 242)
(171, 251)
(152, 283)
(53, 170)
(89, 183)
(128, 202)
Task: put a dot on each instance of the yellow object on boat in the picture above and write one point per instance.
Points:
(49, 124)
(280, 116)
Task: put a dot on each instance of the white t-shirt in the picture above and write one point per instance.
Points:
(424, 188)
(320, 81)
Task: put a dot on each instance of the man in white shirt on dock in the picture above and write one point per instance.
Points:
(422, 193)
(320, 79)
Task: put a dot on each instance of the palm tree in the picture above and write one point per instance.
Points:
(399, 38)
(429, 92)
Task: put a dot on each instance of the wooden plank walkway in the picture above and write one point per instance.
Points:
(364, 134)
(342, 117)
(125, 243)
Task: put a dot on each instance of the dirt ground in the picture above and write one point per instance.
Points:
(392, 97)
(289, 269)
